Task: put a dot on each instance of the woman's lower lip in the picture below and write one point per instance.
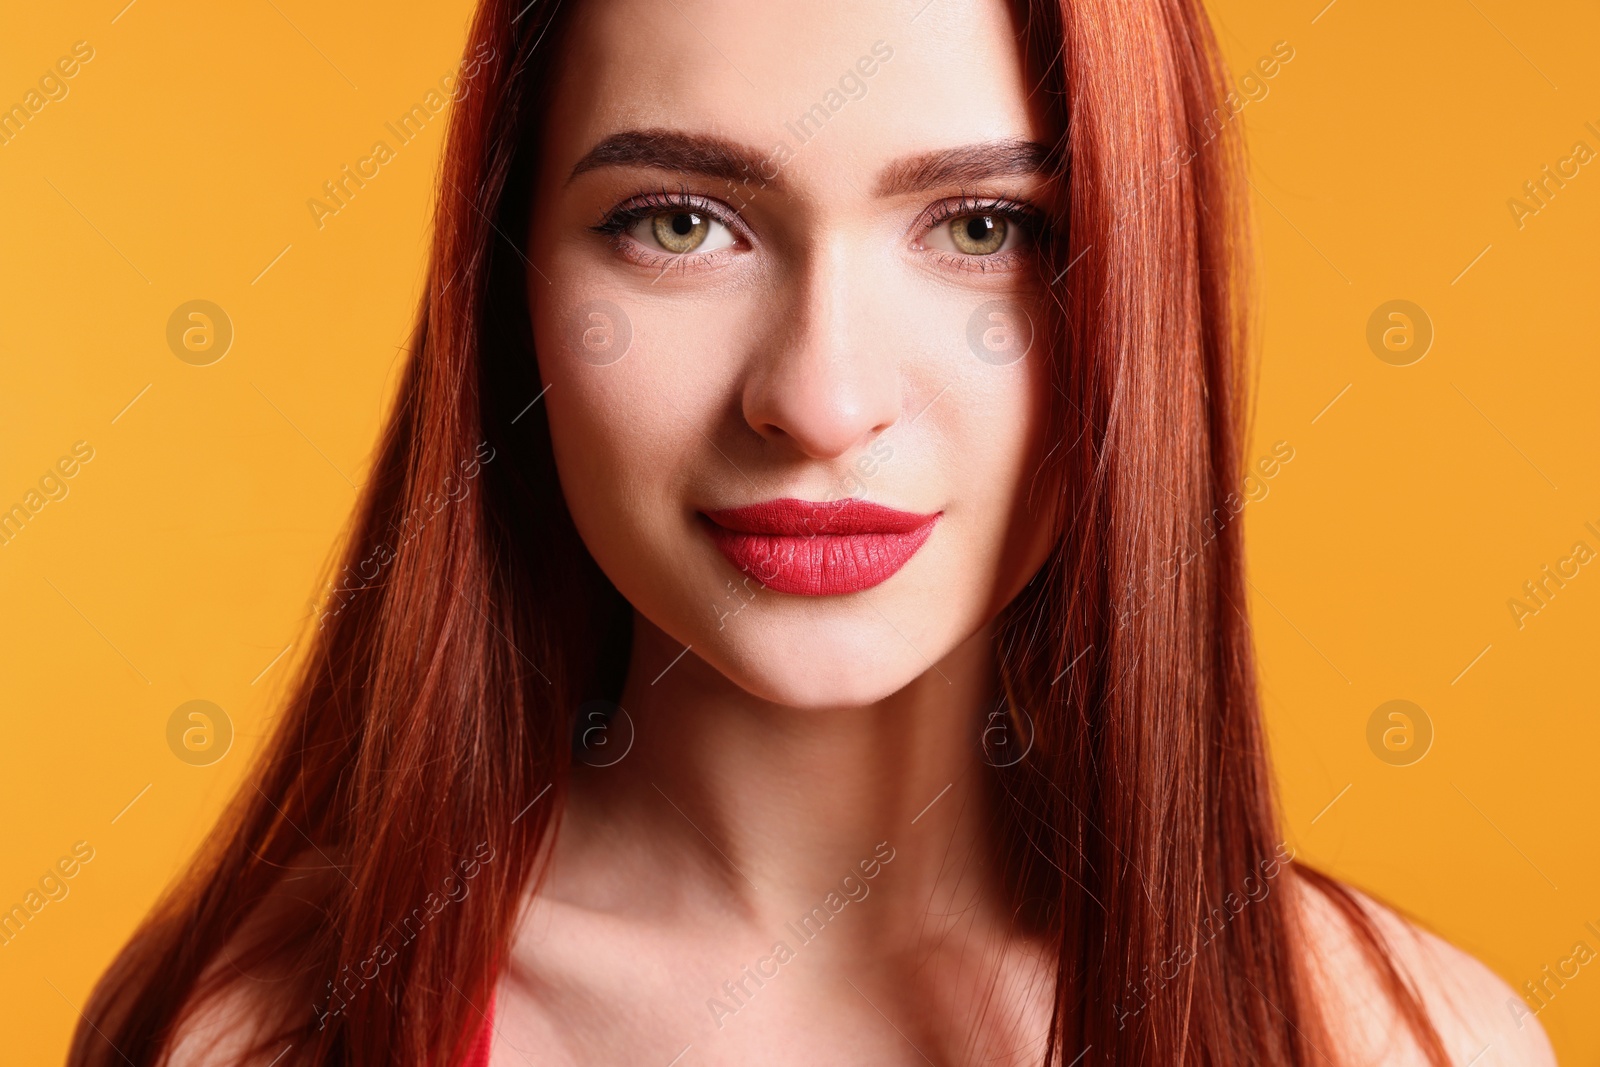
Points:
(849, 547)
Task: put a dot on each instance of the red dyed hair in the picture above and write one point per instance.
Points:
(431, 725)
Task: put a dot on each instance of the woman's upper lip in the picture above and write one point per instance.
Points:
(788, 517)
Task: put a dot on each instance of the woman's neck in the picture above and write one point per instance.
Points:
(726, 798)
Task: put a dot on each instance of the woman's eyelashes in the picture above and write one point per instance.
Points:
(666, 229)
(982, 235)
(671, 228)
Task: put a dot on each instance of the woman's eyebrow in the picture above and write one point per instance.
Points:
(962, 165)
(717, 157)
(690, 153)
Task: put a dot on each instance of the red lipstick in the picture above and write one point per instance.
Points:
(818, 548)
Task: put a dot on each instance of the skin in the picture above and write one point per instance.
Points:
(801, 734)
(802, 739)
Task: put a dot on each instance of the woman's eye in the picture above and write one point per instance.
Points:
(972, 235)
(681, 232)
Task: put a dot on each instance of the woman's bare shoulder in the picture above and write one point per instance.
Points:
(222, 1032)
(252, 996)
(1479, 1018)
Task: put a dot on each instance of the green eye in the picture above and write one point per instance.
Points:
(680, 232)
(978, 235)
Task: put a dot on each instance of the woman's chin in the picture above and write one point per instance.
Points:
(822, 663)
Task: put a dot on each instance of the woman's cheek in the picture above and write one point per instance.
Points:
(595, 440)
(599, 457)
(621, 425)
(585, 394)
(995, 436)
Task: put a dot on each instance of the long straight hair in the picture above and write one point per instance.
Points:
(361, 891)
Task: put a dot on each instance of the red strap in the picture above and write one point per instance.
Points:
(478, 1056)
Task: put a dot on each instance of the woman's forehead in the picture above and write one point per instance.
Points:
(845, 87)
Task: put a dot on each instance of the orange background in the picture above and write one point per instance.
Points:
(184, 559)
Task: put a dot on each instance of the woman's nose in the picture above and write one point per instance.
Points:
(827, 382)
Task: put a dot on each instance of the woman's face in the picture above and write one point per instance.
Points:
(780, 253)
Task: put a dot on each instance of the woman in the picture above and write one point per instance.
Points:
(809, 496)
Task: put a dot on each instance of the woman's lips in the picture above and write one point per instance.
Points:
(818, 548)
